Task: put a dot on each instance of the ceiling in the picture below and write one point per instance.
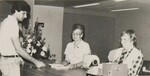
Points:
(105, 5)
(65, 3)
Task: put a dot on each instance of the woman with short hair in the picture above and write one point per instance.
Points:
(77, 49)
(128, 53)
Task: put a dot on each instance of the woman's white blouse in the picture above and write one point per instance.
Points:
(75, 54)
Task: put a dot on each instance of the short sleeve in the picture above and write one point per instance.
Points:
(111, 55)
(88, 50)
(12, 28)
(14, 31)
(66, 50)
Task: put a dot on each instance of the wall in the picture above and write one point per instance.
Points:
(139, 21)
(4, 10)
(89, 12)
(31, 3)
(52, 31)
(99, 31)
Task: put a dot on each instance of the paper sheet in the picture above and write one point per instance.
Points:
(59, 67)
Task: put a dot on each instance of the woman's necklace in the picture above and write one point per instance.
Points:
(76, 44)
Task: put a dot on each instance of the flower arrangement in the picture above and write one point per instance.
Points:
(34, 44)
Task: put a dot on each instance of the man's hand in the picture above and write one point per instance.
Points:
(72, 66)
(39, 64)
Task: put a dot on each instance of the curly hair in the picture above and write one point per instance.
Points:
(132, 35)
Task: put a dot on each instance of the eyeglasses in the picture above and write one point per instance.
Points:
(76, 34)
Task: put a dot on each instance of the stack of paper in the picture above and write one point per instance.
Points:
(59, 67)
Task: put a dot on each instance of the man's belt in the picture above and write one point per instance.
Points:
(10, 56)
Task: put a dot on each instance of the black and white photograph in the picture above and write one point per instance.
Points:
(74, 37)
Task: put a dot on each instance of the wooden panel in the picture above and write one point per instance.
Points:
(47, 71)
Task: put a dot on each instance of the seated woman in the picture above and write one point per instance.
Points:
(128, 53)
(77, 49)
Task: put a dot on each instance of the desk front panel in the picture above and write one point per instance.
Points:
(28, 71)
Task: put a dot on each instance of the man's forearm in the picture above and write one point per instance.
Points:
(25, 55)
(22, 52)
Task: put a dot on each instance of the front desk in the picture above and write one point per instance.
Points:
(29, 70)
(51, 72)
